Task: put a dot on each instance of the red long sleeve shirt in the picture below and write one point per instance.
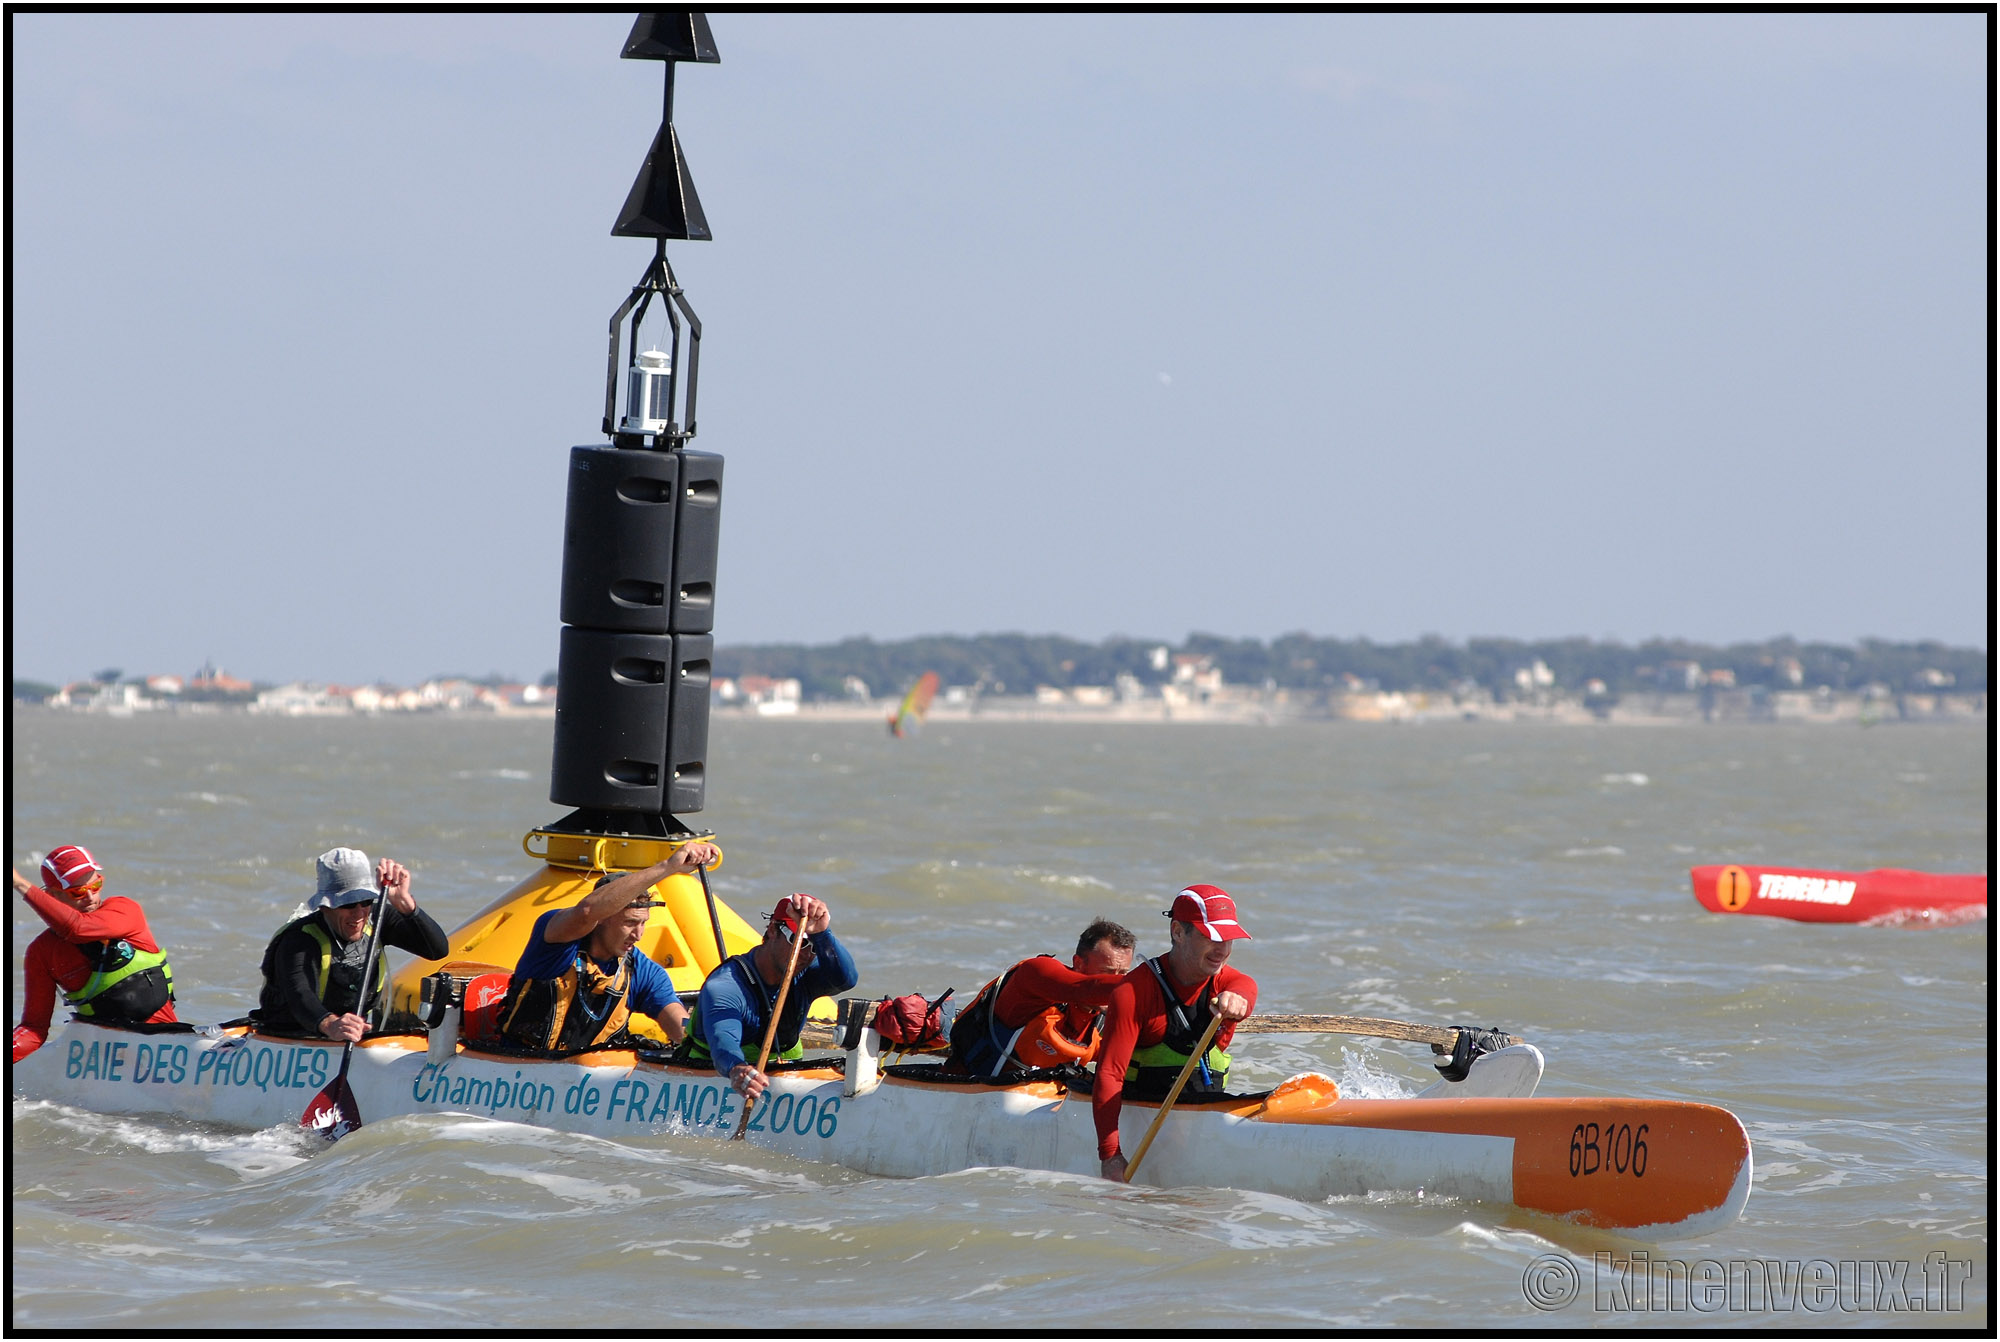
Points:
(1138, 1019)
(53, 962)
(1033, 986)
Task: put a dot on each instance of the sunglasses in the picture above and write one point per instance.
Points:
(89, 887)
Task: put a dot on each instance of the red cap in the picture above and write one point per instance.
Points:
(786, 915)
(69, 868)
(1211, 910)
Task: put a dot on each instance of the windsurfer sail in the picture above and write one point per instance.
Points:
(910, 715)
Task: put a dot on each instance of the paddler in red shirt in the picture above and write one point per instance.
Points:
(98, 951)
(1040, 1013)
(1162, 1011)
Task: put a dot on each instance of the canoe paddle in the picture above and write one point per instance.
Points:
(1187, 1070)
(771, 1026)
(334, 1112)
(721, 951)
(1442, 1037)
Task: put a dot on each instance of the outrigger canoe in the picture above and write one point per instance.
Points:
(1647, 1168)
(1650, 1169)
(1888, 895)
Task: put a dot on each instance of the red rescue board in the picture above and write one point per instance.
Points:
(1885, 896)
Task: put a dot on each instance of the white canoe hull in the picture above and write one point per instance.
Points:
(1653, 1169)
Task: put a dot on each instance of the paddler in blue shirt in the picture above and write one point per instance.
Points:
(582, 974)
(735, 1002)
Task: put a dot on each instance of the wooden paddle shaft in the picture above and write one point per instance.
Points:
(1440, 1037)
(1187, 1070)
(771, 1025)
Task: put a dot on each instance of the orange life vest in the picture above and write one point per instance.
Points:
(1042, 1042)
(984, 1046)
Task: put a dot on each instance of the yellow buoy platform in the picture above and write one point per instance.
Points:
(679, 936)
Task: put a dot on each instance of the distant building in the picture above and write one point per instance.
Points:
(1680, 675)
(452, 695)
(1198, 676)
(1375, 706)
(510, 696)
(770, 696)
(212, 677)
(1528, 679)
(298, 699)
(91, 696)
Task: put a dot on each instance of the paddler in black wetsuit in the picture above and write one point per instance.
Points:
(313, 968)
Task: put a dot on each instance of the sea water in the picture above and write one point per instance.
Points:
(1532, 877)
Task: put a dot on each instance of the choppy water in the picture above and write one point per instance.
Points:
(1531, 877)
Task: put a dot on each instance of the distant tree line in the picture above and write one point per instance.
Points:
(1017, 663)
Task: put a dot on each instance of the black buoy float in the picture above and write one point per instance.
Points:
(640, 531)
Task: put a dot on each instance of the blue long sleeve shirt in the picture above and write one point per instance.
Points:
(652, 989)
(735, 1003)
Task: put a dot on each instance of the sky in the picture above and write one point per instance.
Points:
(1617, 326)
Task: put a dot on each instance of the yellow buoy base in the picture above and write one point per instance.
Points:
(679, 936)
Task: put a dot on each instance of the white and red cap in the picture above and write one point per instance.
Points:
(1211, 910)
(786, 915)
(69, 868)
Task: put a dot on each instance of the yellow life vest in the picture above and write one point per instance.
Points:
(555, 1014)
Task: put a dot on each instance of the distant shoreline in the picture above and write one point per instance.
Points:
(1650, 710)
(1662, 710)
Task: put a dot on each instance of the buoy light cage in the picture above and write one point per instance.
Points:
(661, 205)
(652, 375)
(649, 394)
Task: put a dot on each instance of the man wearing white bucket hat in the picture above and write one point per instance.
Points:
(313, 968)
